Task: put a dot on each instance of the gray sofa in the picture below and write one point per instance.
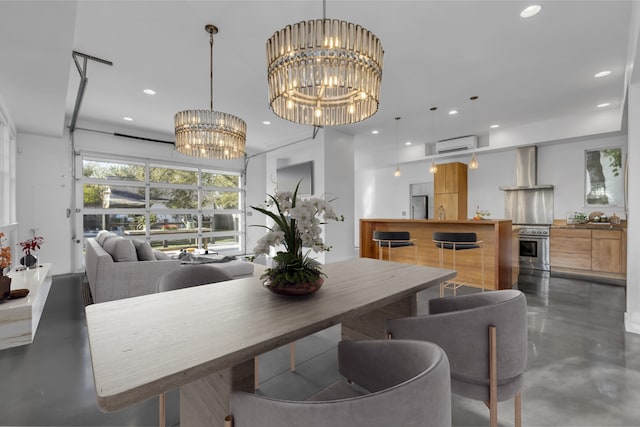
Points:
(118, 267)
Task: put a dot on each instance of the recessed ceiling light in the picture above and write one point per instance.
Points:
(530, 11)
(149, 91)
(266, 122)
(375, 132)
(407, 143)
(129, 119)
(453, 112)
(602, 73)
(494, 126)
(604, 104)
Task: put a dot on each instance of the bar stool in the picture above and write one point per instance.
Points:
(457, 242)
(394, 239)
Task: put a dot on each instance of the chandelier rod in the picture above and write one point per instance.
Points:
(211, 29)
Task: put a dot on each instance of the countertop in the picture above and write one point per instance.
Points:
(437, 221)
(591, 225)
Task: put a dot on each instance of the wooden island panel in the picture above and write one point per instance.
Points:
(500, 265)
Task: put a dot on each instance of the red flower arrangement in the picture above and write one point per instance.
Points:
(31, 244)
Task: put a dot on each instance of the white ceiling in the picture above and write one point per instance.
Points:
(437, 53)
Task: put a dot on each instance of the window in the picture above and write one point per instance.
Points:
(172, 206)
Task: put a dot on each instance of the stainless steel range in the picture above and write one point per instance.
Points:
(534, 247)
(530, 206)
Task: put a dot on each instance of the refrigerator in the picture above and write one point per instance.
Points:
(419, 207)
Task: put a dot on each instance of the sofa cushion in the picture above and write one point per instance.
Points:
(160, 255)
(144, 251)
(120, 249)
(102, 236)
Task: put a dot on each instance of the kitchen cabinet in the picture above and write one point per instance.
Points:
(570, 248)
(606, 251)
(588, 250)
(450, 191)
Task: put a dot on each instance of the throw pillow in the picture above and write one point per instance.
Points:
(160, 255)
(144, 251)
(120, 249)
(103, 235)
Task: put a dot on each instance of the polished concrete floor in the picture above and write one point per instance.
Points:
(583, 369)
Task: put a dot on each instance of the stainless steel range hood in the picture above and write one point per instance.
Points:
(527, 170)
(527, 202)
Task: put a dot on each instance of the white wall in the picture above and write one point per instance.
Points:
(496, 169)
(44, 186)
(339, 185)
(332, 155)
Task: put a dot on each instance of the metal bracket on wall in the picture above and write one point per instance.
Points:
(82, 70)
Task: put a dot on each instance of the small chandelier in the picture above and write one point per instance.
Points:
(324, 72)
(207, 133)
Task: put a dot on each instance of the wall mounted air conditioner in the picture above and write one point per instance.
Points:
(456, 144)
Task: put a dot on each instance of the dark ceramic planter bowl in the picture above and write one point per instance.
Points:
(295, 289)
(28, 261)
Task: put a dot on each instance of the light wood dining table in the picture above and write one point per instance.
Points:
(203, 339)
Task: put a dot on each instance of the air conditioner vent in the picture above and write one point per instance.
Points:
(457, 144)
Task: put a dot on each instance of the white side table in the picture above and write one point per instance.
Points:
(19, 318)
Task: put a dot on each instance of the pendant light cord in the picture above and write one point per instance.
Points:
(211, 70)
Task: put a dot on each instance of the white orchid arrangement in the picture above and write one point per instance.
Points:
(296, 226)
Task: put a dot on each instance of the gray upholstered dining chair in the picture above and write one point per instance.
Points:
(187, 276)
(397, 383)
(485, 338)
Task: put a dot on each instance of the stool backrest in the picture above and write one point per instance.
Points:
(457, 241)
(391, 235)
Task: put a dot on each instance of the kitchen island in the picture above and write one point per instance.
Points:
(500, 251)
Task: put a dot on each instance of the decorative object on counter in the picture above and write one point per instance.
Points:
(5, 287)
(28, 246)
(595, 216)
(480, 214)
(604, 184)
(577, 218)
(18, 293)
(296, 225)
(614, 219)
(5, 261)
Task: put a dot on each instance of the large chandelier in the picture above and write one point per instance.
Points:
(324, 72)
(207, 133)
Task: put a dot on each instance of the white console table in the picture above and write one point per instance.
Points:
(19, 318)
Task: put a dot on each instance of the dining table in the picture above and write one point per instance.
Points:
(203, 339)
